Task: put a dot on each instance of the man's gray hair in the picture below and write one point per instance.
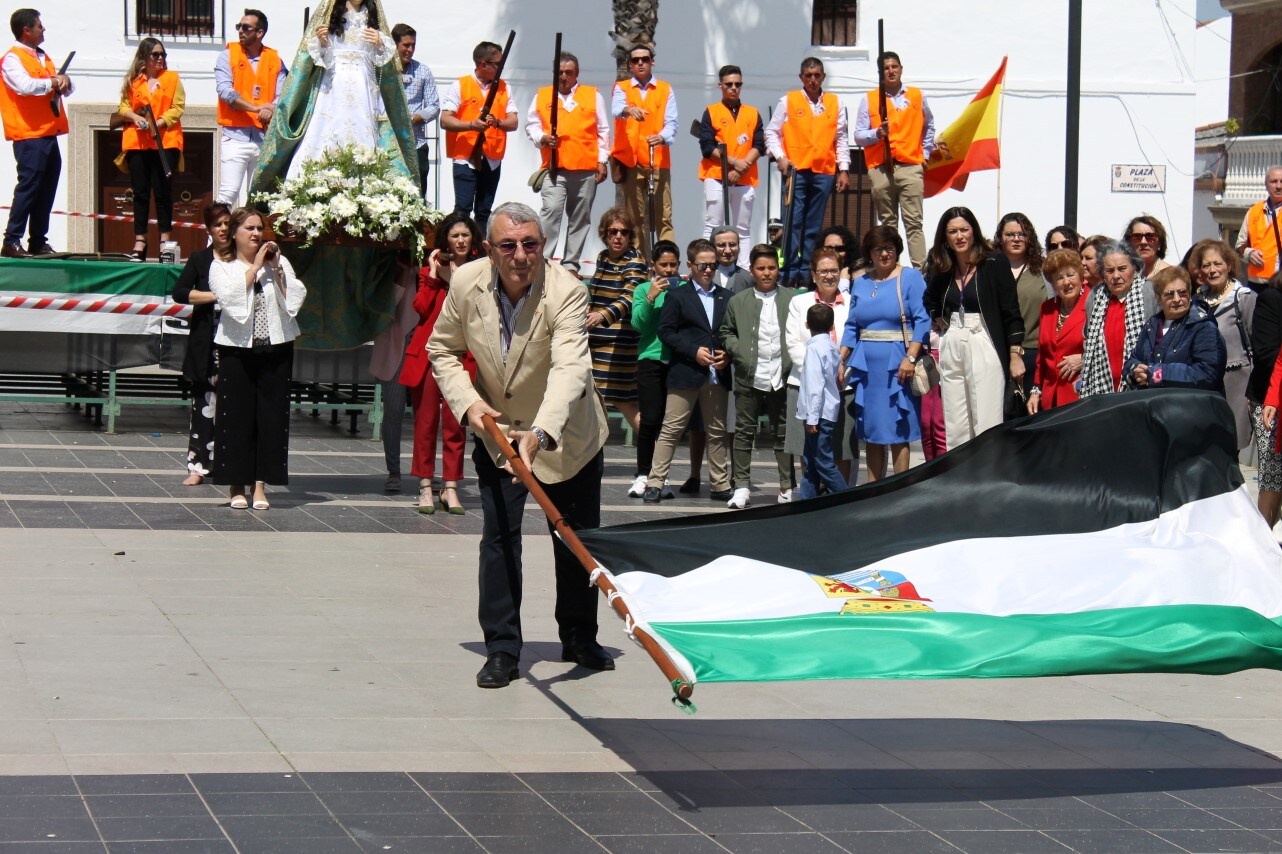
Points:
(724, 229)
(1117, 247)
(517, 213)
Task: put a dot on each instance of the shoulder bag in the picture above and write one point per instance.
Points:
(925, 372)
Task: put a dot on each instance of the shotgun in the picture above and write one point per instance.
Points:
(889, 164)
(696, 128)
(55, 101)
(478, 150)
(160, 148)
(650, 193)
(554, 160)
(790, 183)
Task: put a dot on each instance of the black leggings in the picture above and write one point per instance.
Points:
(251, 422)
(146, 177)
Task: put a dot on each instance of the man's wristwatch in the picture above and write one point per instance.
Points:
(545, 441)
(1017, 351)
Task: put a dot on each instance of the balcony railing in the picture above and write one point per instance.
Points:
(1249, 159)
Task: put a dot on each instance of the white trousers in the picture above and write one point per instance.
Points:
(971, 381)
(237, 161)
(741, 199)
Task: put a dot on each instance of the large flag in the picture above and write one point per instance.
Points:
(1111, 535)
(970, 143)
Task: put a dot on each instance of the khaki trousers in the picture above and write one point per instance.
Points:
(711, 399)
(632, 192)
(902, 195)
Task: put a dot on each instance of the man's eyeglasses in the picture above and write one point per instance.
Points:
(732, 85)
(707, 267)
(508, 247)
(246, 28)
(639, 60)
(619, 232)
(1138, 237)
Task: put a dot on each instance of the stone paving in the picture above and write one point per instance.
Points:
(182, 677)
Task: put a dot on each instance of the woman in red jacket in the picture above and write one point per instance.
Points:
(458, 241)
(1059, 342)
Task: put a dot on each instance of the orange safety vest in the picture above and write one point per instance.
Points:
(245, 80)
(31, 116)
(810, 139)
(579, 150)
(459, 144)
(630, 147)
(160, 100)
(906, 127)
(736, 136)
(1261, 236)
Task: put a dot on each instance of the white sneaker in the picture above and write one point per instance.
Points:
(637, 489)
(739, 500)
(785, 497)
(666, 492)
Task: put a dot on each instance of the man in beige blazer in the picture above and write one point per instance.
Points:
(523, 320)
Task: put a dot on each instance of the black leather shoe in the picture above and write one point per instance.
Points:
(651, 495)
(13, 250)
(499, 670)
(721, 494)
(41, 249)
(590, 655)
(691, 487)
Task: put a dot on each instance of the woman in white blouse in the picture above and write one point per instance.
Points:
(260, 298)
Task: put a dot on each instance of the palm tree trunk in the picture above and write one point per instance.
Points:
(634, 24)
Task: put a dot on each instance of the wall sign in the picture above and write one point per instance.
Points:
(1139, 178)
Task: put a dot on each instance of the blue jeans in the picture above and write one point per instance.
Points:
(39, 165)
(819, 465)
(809, 201)
(474, 190)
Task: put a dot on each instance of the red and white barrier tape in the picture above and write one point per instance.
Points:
(101, 306)
(112, 217)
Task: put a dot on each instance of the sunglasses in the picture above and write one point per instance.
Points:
(619, 232)
(1142, 238)
(704, 268)
(639, 60)
(1060, 244)
(530, 245)
(246, 28)
(159, 55)
(732, 85)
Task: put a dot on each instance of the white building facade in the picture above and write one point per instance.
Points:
(1140, 92)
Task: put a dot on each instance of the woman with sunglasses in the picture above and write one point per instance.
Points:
(1063, 237)
(1148, 237)
(611, 338)
(839, 239)
(151, 102)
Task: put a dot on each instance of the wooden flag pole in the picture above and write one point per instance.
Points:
(681, 689)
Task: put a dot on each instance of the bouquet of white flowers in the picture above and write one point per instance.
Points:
(354, 190)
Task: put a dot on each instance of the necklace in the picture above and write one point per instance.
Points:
(1214, 301)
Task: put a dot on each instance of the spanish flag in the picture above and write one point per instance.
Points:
(1047, 546)
(969, 144)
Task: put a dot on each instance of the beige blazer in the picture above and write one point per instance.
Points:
(547, 378)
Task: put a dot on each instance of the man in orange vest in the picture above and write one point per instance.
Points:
(1260, 237)
(735, 127)
(582, 143)
(911, 130)
(461, 105)
(249, 78)
(809, 131)
(645, 121)
(32, 86)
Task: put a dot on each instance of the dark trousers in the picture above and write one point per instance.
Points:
(809, 201)
(39, 166)
(652, 398)
(200, 445)
(502, 506)
(145, 178)
(251, 425)
(749, 406)
(424, 166)
(474, 190)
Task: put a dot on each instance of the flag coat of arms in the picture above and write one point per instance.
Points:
(1112, 535)
(969, 144)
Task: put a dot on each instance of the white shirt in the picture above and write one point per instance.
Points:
(236, 323)
(769, 375)
(534, 128)
(774, 130)
(16, 76)
(454, 96)
(708, 298)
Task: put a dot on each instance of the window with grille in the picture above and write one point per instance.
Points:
(176, 17)
(833, 23)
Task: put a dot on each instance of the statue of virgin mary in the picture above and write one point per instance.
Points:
(344, 87)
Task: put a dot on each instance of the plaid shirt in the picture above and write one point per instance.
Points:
(424, 100)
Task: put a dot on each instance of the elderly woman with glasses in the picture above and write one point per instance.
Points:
(611, 338)
(1116, 312)
(1180, 346)
(1148, 236)
(885, 332)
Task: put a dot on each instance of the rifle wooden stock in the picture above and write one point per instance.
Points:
(478, 150)
(790, 184)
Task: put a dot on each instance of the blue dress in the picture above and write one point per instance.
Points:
(886, 411)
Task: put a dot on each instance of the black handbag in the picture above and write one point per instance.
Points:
(1014, 402)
